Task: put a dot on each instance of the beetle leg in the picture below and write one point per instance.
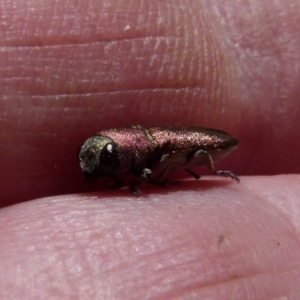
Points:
(210, 165)
(164, 157)
(146, 174)
(134, 190)
(195, 175)
(167, 161)
(227, 174)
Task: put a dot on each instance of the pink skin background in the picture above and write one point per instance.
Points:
(71, 68)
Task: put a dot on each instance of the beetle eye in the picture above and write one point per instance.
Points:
(109, 158)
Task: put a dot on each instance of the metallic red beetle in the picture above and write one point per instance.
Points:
(150, 153)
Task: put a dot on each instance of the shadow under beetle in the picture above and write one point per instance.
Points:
(150, 153)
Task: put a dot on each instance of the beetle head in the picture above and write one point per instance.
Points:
(98, 156)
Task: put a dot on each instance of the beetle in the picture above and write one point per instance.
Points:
(150, 153)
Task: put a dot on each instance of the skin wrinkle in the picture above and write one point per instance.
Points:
(276, 211)
(68, 41)
(211, 284)
(109, 82)
(15, 78)
(281, 79)
(116, 92)
(157, 281)
(91, 43)
(177, 46)
(188, 44)
(219, 66)
(174, 293)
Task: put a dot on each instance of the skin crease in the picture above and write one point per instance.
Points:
(69, 70)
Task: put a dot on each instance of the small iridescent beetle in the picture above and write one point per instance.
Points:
(150, 153)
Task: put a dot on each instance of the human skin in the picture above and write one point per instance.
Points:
(70, 69)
